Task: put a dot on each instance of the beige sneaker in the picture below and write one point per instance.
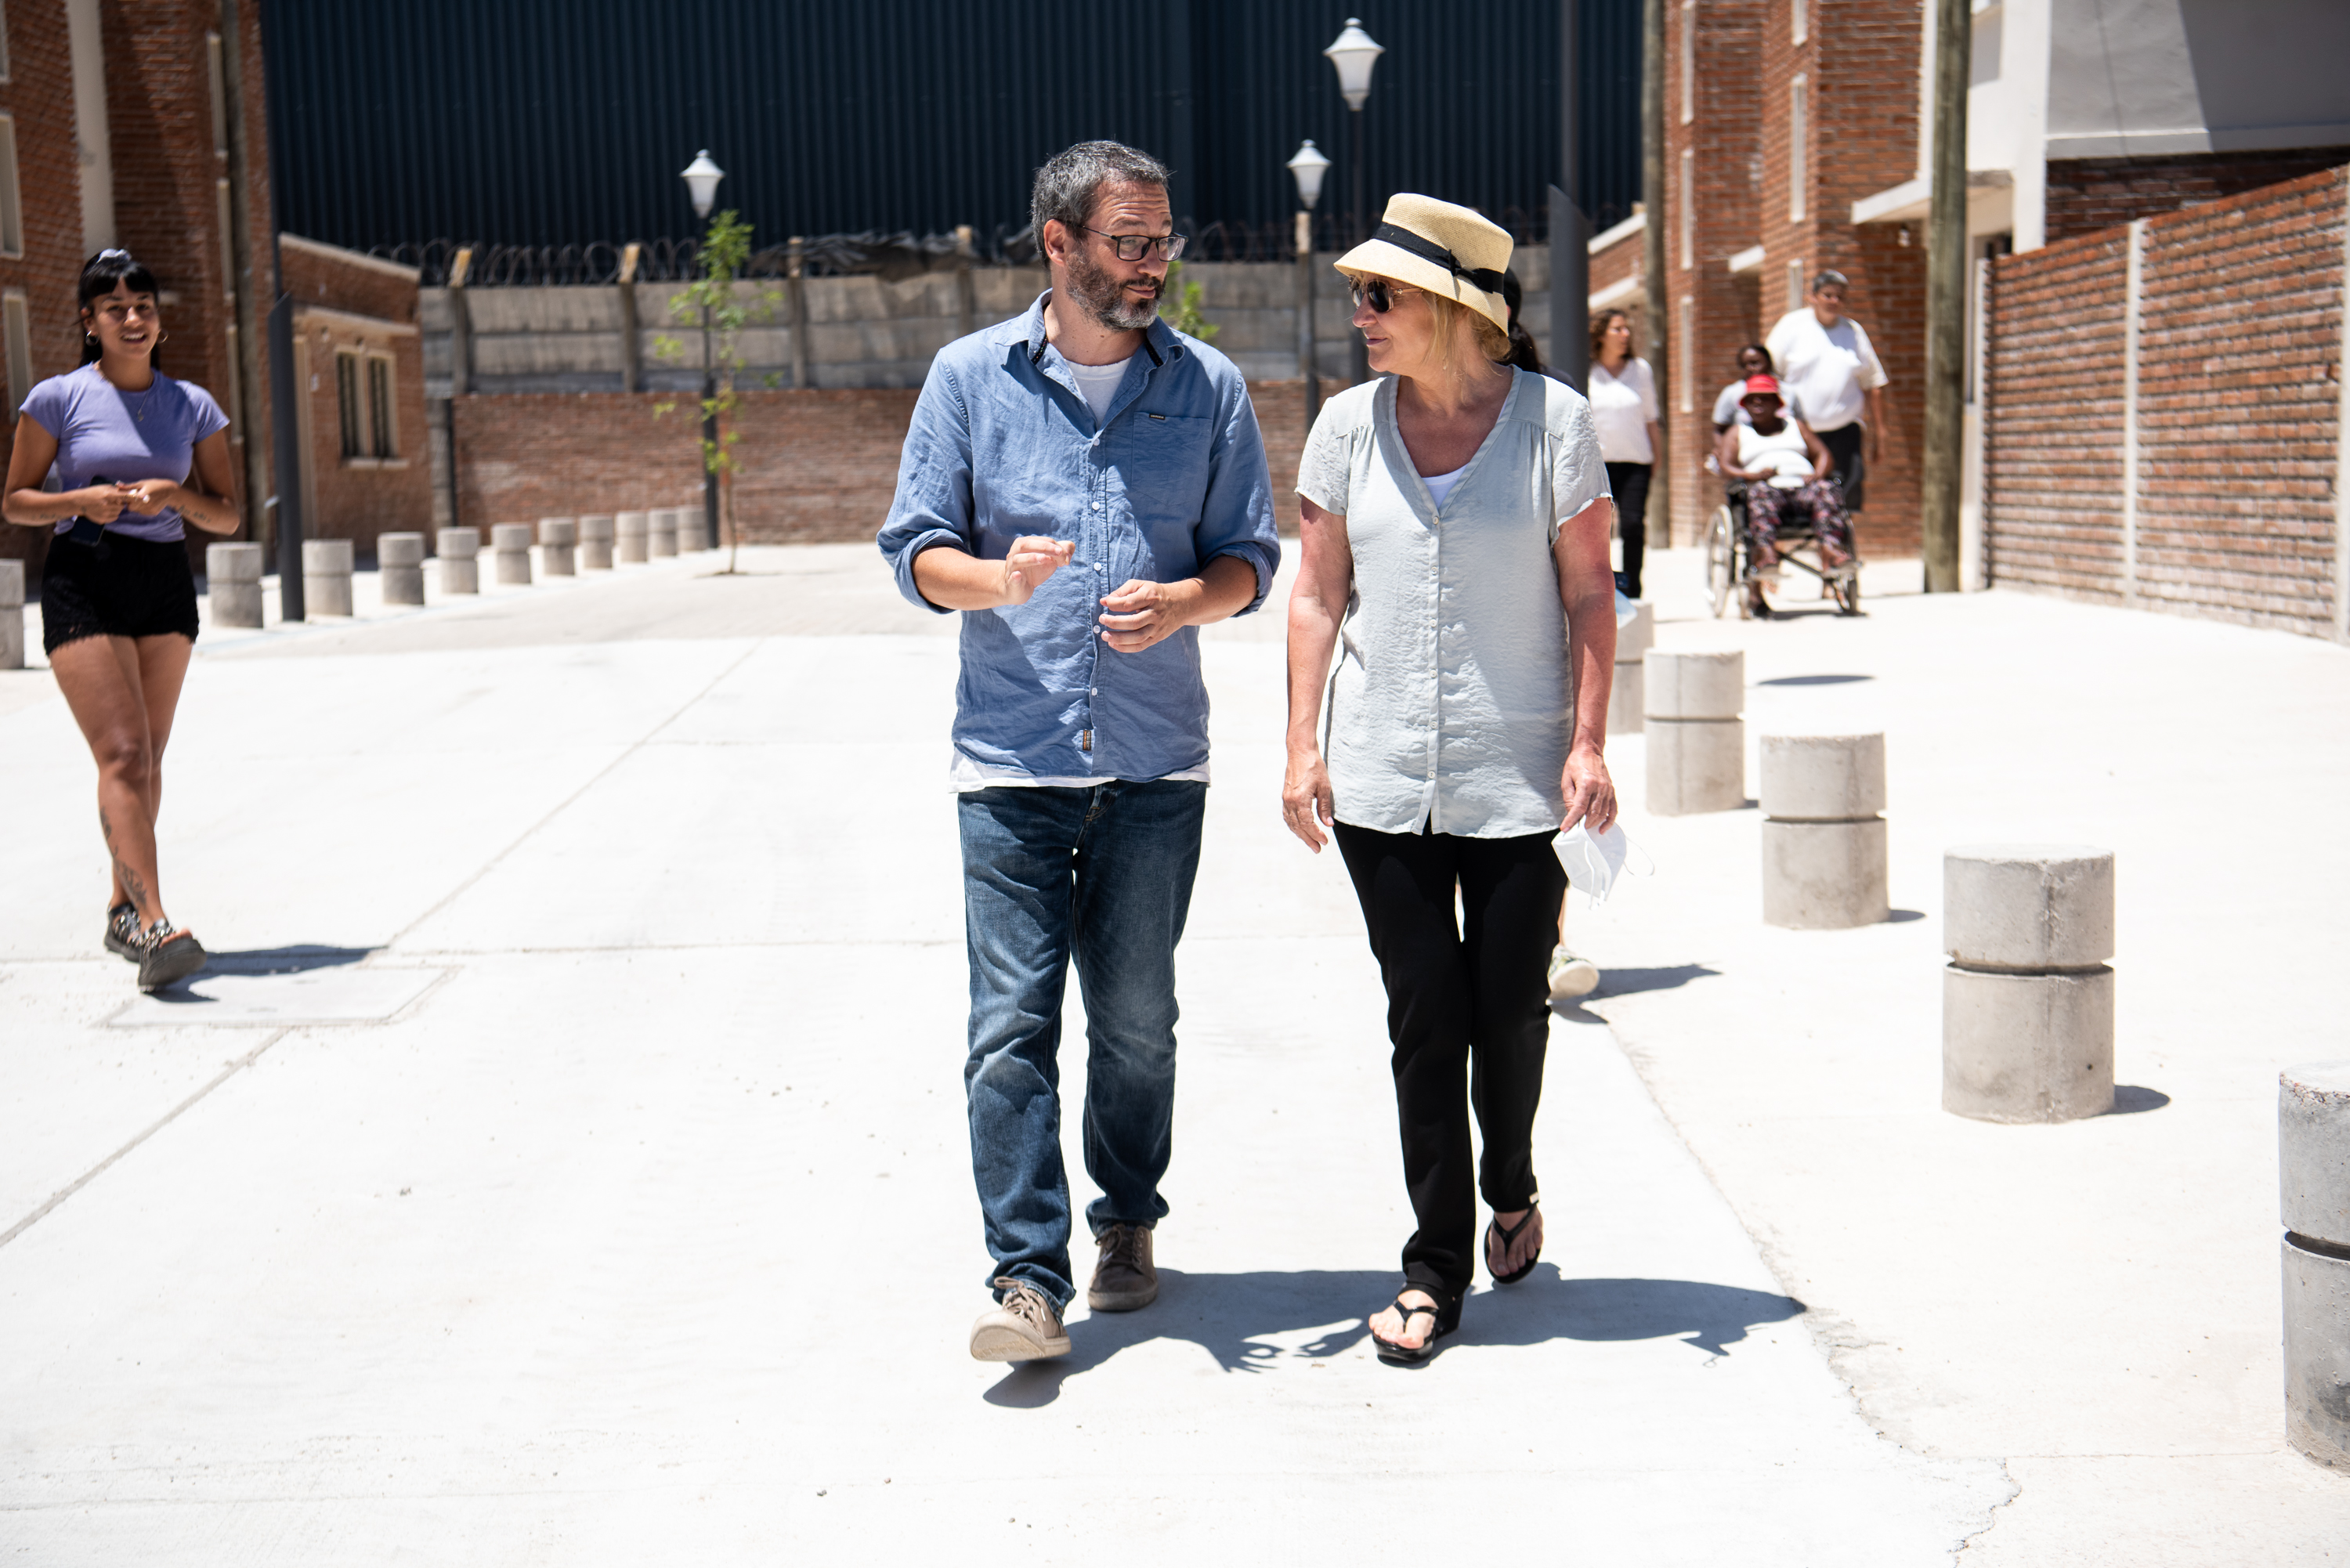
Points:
(1022, 1326)
(1571, 976)
(1124, 1278)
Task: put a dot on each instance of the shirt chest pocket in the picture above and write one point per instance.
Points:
(1162, 465)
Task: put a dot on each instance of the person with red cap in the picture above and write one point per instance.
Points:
(1789, 473)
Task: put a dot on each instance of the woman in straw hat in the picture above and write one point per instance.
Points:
(1451, 509)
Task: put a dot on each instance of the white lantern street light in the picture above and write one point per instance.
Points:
(1354, 54)
(1308, 167)
(701, 177)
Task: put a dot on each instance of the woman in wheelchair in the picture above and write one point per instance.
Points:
(1788, 475)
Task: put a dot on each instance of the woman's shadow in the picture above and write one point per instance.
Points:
(1241, 1319)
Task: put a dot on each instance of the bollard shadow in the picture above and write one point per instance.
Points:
(1239, 1319)
(1814, 679)
(1632, 981)
(1903, 917)
(2130, 1099)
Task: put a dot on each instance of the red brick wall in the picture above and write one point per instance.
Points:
(2239, 355)
(1860, 63)
(2086, 195)
(815, 465)
(2053, 440)
(1726, 139)
(375, 311)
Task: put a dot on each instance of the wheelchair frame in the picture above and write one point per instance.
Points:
(1729, 571)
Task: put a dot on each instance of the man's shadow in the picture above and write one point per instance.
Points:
(1238, 1318)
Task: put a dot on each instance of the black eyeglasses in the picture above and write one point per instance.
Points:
(1380, 294)
(1134, 247)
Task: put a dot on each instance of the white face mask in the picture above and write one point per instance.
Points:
(1594, 861)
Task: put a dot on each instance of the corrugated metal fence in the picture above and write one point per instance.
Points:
(530, 123)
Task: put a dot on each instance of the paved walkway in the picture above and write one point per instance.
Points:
(564, 1162)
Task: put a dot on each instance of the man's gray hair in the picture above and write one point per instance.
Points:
(1065, 186)
(1827, 275)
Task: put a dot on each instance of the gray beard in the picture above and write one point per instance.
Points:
(1103, 297)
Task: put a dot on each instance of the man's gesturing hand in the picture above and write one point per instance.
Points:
(1028, 562)
(1143, 613)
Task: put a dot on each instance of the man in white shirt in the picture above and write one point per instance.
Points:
(1828, 364)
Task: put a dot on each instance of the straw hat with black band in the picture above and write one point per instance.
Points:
(1444, 249)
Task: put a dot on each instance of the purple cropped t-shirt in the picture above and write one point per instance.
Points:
(105, 434)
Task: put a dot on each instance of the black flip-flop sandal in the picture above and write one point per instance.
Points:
(1396, 1355)
(1509, 1235)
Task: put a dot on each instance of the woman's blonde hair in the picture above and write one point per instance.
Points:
(1491, 341)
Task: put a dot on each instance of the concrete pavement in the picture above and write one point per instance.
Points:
(567, 1165)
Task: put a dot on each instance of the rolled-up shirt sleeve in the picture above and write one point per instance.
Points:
(1236, 518)
(933, 503)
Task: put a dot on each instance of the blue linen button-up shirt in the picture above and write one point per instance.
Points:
(1004, 444)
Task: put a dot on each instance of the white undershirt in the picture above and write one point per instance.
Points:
(1439, 485)
(1099, 383)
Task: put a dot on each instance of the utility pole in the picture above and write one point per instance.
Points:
(285, 395)
(1946, 300)
(1652, 253)
(1570, 253)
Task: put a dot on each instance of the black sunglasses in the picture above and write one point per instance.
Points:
(1380, 294)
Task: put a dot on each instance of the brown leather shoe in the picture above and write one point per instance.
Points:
(1124, 1278)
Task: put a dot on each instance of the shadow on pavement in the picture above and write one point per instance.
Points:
(1236, 1318)
(1632, 981)
(2131, 1098)
(1814, 679)
(298, 960)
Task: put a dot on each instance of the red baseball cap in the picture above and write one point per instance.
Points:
(1767, 386)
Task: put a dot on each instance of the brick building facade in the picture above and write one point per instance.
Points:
(358, 361)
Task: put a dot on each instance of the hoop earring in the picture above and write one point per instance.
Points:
(161, 339)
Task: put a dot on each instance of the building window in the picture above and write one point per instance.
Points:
(1688, 208)
(1799, 146)
(1800, 17)
(16, 320)
(1795, 284)
(379, 426)
(347, 395)
(1689, 60)
(12, 211)
(1685, 351)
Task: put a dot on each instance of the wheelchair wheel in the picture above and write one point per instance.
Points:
(1722, 560)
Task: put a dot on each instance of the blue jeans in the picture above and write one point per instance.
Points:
(1101, 874)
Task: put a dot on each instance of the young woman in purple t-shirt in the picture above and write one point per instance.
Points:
(117, 600)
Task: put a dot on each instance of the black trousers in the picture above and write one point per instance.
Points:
(1843, 444)
(1630, 481)
(1475, 999)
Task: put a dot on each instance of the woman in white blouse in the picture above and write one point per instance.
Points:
(1624, 407)
(1451, 509)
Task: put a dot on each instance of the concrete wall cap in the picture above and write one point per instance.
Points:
(398, 549)
(2028, 908)
(1823, 778)
(1685, 685)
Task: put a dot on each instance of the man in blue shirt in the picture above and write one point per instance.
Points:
(1087, 487)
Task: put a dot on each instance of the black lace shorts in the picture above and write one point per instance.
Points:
(119, 588)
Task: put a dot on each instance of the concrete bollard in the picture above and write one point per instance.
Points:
(693, 530)
(233, 574)
(2313, 1171)
(12, 615)
(1823, 848)
(460, 550)
(327, 576)
(2028, 1000)
(660, 532)
(558, 546)
(1628, 701)
(595, 543)
(1697, 742)
(400, 567)
(510, 552)
(630, 529)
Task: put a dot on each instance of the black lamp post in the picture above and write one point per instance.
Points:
(701, 177)
(1354, 54)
